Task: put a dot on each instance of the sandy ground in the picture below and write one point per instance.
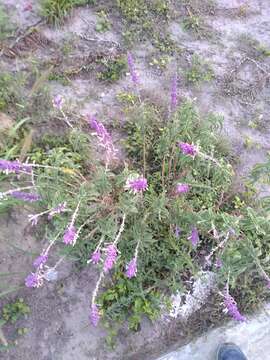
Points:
(252, 337)
(58, 324)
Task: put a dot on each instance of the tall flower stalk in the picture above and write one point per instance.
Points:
(131, 269)
(231, 306)
(71, 234)
(104, 139)
(111, 257)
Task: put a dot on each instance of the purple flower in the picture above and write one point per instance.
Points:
(13, 166)
(182, 188)
(94, 315)
(174, 93)
(177, 232)
(33, 280)
(131, 268)
(231, 307)
(111, 257)
(104, 138)
(58, 102)
(137, 185)
(21, 195)
(218, 263)
(188, 149)
(40, 261)
(99, 128)
(96, 256)
(194, 237)
(57, 210)
(70, 235)
(132, 70)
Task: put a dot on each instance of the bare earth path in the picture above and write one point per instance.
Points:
(253, 338)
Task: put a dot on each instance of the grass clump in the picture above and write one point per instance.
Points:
(56, 11)
(199, 71)
(112, 69)
(6, 26)
(13, 311)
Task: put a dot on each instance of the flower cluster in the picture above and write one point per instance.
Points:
(104, 138)
(231, 307)
(21, 195)
(58, 102)
(34, 280)
(137, 184)
(182, 188)
(111, 257)
(40, 260)
(57, 210)
(8, 166)
(131, 66)
(188, 149)
(131, 270)
(70, 235)
(94, 315)
(96, 256)
(194, 237)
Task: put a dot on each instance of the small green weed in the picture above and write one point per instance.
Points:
(56, 11)
(13, 311)
(6, 27)
(199, 71)
(112, 69)
(103, 23)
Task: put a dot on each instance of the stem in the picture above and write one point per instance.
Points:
(163, 172)
(144, 155)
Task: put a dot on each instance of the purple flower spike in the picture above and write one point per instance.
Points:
(21, 195)
(70, 235)
(58, 102)
(13, 166)
(111, 257)
(177, 232)
(188, 149)
(33, 280)
(137, 185)
(57, 210)
(132, 70)
(182, 188)
(194, 237)
(131, 268)
(174, 93)
(94, 315)
(40, 261)
(95, 257)
(231, 308)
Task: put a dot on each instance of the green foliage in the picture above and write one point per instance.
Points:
(199, 71)
(6, 27)
(103, 23)
(166, 262)
(8, 93)
(13, 311)
(133, 10)
(112, 69)
(55, 11)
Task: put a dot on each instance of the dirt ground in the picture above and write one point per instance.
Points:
(58, 327)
